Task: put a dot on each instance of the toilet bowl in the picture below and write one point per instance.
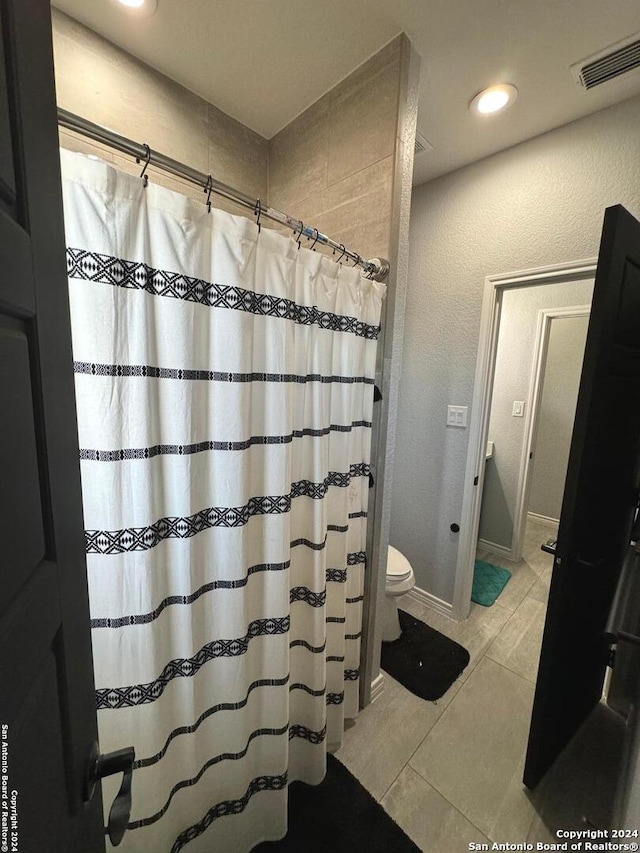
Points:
(400, 579)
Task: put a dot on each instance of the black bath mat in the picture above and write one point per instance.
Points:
(423, 660)
(340, 816)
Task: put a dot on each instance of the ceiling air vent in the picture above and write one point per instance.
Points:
(421, 144)
(615, 61)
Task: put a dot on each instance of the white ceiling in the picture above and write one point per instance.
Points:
(265, 61)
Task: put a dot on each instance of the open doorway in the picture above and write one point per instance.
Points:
(535, 391)
(518, 310)
(530, 428)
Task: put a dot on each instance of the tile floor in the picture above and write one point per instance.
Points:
(449, 772)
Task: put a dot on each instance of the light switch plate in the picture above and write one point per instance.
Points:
(518, 409)
(457, 416)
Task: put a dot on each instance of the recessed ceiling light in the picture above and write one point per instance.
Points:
(493, 99)
(140, 8)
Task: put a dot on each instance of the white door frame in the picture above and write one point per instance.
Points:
(545, 316)
(494, 287)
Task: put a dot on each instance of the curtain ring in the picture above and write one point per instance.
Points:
(357, 260)
(257, 211)
(300, 233)
(147, 160)
(316, 240)
(344, 251)
(208, 189)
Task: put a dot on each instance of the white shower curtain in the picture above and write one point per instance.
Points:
(224, 386)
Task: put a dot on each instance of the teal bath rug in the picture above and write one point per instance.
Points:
(488, 582)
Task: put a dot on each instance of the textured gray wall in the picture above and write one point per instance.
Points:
(567, 338)
(514, 368)
(538, 203)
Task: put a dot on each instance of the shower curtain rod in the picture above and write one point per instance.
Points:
(376, 268)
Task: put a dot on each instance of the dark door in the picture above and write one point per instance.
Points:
(47, 707)
(601, 494)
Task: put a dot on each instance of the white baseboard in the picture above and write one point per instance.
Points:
(421, 596)
(377, 686)
(485, 545)
(544, 518)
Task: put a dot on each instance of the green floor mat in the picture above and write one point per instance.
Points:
(488, 582)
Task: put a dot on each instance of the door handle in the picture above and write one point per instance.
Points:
(100, 765)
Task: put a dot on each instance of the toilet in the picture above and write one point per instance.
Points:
(400, 579)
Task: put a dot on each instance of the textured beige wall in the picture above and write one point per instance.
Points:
(102, 83)
(333, 166)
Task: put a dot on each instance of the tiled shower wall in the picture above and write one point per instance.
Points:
(100, 82)
(333, 166)
(343, 166)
